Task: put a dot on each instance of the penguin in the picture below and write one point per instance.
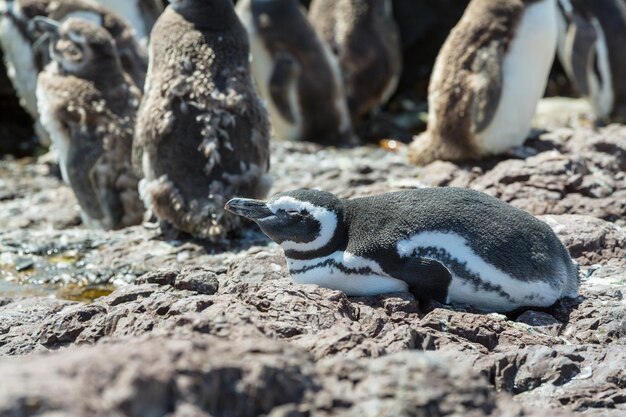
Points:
(140, 14)
(202, 133)
(366, 39)
(296, 73)
(592, 38)
(487, 80)
(26, 50)
(88, 105)
(449, 245)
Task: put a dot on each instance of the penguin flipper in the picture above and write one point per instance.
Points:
(428, 279)
(584, 38)
(81, 160)
(282, 80)
(487, 85)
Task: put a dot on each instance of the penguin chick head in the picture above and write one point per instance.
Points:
(183, 5)
(207, 14)
(304, 222)
(79, 46)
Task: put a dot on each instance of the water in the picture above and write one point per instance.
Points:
(61, 275)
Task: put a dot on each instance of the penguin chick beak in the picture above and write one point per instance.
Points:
(248, 208)
(44, 24)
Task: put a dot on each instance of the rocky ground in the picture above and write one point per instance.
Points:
(184, 329)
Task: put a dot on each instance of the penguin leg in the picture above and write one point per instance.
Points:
(428, 280)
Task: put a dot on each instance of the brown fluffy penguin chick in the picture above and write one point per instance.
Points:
(296, 73)
(88, 106)
(27, 53)
(202, 133)
(365, 37)
(487, 80)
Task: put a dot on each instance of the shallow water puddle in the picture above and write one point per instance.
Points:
(62, 275)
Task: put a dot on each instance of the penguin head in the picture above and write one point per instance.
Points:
(80, 47)
(304, 222)
(26, 9)
(207, 14)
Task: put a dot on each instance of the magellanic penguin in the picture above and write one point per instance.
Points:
(26, 51)
(141, 14)
(88, 105)
(296, 73)
(365, 37)
(450, 245)
(202, 132)
(592, 50)
(487, 80)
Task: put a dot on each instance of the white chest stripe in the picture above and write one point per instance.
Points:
(344, 271)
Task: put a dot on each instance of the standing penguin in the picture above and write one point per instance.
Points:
(202, 133)
(88, 106)
(488, 79)
(26, 51)
(365, 37)
(591, 48)
(296, 73)
(450, 245)
(141, 14)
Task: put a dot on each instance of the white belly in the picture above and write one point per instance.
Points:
(20, 65)
(262, 67)
(356, 276)
(525, 68)
(59, 136)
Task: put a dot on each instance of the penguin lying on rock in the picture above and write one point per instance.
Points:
(449, 245)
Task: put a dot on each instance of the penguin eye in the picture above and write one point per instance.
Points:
(297, 213)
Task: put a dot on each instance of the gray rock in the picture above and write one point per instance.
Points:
(157, 376)
(189, 323)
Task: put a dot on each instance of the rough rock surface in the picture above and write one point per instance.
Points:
(193, 330)
(570, 172)
(208, 376)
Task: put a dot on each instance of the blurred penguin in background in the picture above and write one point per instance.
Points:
(141, 14)
(488, 79)
(26, 50)
(365, 37)
(296, 73)
(592, 50)
(88, 106)
(202, 134)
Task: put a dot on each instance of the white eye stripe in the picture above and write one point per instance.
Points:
(326, 218)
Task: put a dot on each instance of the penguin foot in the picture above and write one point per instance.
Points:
(521, 152)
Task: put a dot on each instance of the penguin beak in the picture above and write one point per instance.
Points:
(44, 24)
(248, 208)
